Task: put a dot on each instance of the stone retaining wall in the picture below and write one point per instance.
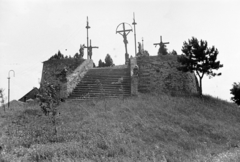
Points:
(159, 74)
(56, 72)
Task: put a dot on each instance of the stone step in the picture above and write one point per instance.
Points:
(104, 88)
(105, 84)
(92, 98)
(109, 71)
(96, 91)
(98, 94)
(89, 88)
(107, 76)
(117, 89)
(107, 80)
(98, 88)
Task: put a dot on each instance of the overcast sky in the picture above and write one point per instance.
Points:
(31, 31)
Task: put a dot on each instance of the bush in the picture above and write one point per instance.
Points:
(49, 101)
(235, 91)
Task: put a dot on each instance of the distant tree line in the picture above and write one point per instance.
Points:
(164, 51)
(59, 55)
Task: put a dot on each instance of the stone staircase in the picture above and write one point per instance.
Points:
(107, 82)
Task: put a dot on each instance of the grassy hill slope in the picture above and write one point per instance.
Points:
(147, 128)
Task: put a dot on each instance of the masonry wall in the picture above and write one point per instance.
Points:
(56, 72)
(159, 74)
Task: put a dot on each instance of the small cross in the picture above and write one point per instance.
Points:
(161, 43)
(89, 50)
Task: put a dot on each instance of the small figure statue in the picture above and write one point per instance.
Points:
(90, 53)
(81, 50)
(135, 70)
(139, 48)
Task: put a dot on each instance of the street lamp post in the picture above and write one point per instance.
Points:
(9, 85)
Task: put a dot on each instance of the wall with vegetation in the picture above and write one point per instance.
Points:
(56, 72)
(159, 74)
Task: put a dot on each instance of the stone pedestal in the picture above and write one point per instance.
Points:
(126, 59)
(134, 75)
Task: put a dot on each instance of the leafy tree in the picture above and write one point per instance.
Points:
(101, 63)
(57, 56)
(145, 53)
(76, 56)
(173, 52)
(200, 59)
(108, 60)
(162, 50)
(60, 55)
(235, 91)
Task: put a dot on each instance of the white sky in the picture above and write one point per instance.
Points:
(31, 31)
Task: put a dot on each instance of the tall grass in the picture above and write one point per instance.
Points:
(145, 128)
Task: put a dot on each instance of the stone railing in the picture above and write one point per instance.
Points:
(76, 76)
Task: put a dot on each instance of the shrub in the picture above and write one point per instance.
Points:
(235, 91)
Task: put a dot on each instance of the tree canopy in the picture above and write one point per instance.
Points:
(100, 63)
(108, 62)
(57, 56)
(200, 59)
(173, 52)
(162, 50)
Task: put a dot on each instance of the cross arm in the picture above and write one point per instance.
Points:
(124, 30)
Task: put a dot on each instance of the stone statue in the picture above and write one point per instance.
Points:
(136, 70)
(90, 53)
(139, 48)
(81, 50)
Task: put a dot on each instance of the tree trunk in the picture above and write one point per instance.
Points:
(200, 86)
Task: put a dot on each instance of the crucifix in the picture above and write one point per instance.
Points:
(161, 44)
(89, 50)
(124, 33)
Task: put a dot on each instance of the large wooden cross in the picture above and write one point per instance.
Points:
(89, 50)
(124, 33)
